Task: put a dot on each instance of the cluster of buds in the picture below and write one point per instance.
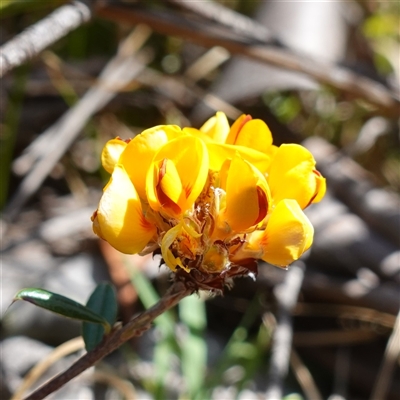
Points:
(212, 201)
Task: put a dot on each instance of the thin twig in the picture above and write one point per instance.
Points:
(41, 35)
(304, 377)
(392, 352)
(225, 16)
(173, 24)
(124, 387)
(286, 294)
(117, 73)
(39, 369)
(116, 338)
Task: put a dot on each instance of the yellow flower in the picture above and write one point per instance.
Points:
(213, 200)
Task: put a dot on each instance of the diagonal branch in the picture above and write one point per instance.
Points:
(41, 35)
(233, 20)
(119, 71)
(174, 24)
(116, 338)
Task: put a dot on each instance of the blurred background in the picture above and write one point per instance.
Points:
(324, 74)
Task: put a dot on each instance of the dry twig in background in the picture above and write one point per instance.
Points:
(41, 35)
(389, 360)
(173, 24)
(237, 22)
(117, 73)
(286, 294)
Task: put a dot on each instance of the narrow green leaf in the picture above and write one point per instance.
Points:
(61, 305)
(102, 301)
(148, 296)
(166, 346)
(229, 356)
(194, 348)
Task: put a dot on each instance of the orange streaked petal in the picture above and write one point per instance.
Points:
(111, 153)
(190, 158)
(217, 127)
(236, 127)
(291, 176)
(252, 133)
(287, 236)
(119, 218)
(321, 187)
(140, 151)
(169, 181)
(247, 196)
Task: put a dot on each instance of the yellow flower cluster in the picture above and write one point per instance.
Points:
(211, 199)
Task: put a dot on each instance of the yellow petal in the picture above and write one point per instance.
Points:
(321, 187)
(292, 175)
(220, 152)
(190, 158)
(167, 255)
(287, 236)
(201, 135)
(247, 196)
(111, 153)
(140, 151)
(253, 133)
(119, 218)
(165, 191)
(217, 127)
(170, 183)
(187, 238)
(236, 127)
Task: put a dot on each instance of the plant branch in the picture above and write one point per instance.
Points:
(233, 20)
(41, 35)
(118, 73)
(174, 24)
(115, 339)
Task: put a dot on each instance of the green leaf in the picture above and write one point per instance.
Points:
(229, 356)
(148, 296)
(102, 301)
(61, 305)
(194, 348)
(166, 346)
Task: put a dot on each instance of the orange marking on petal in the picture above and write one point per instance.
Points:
(317, 173)
(163, 199)
(245, 120)
(262, 205)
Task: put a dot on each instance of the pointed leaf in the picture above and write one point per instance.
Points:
(102, 301)
(61, 305)
(194, 348)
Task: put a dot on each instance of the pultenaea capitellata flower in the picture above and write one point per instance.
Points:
(212, 201)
